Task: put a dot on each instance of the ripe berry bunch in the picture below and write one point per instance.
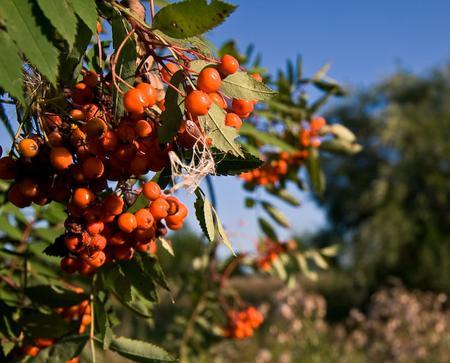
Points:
(98, 230)
(268, 252)
(80, 314)
(75, 158)
(279, 165)
(241, 324)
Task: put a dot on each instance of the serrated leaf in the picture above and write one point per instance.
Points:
(87, 11)
(139, 351)
(227, 164)
(198, 64)
(222, 136)
(172, 116)
(276, 214)
(167, 245)
(27, 27)
(316, 175)
(63, 350)
(196, 43)
(199, 211)
(57, 248)
(267, 229)
(71, 62)
(126, 64)
(192, 17)
(54, 296)
(61, 16)
(265, 138)
(209, 220)
(242, 85)
(284, 195)
(221, 234)
(11, 79)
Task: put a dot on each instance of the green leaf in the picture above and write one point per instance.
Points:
(71, 62)
(223, 137)
(267, 229)
(54, 296)
(172, 116)
(153, 269)
(196, 43)
(87, 11)
(45, 325)
(192, 17)
(199, 206)
(8, 229)
(198, 64)
(221, 234)
(316, 175)
(126, 64)
(209, 220)
(63, 350)
(227, 164)
(242, 85)
(139, 351)
(284, 195)
(57, 248)
(61, 16)
(265, 138)
(31, 31)
(139, 203)
(11, 79)
(276, 214)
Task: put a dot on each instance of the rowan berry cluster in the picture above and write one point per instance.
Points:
(279, 165)
(241, 324)
(74, 160)
(79, 314)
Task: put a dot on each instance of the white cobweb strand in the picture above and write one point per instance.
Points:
(189, 176)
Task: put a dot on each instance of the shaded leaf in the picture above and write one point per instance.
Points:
(54, 296)
(264, 138)
(139, 351)
(87, 11)
(276, 214)
(63, 350)
(227, 164)
(192, 17)
(267, 229)
(11, 79)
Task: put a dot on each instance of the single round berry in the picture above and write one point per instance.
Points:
(242, 107)
(233, 120)
(93, 168)
(91, 78)
(69, 265)
(217, 99)
(123, 253)
(228, 65)
(197, 103)
(96, 128)
(113, 204)
(209, 80)
(28, 187)
(61, 158)
(28, 148)
(143, 128)
(150, 94)
(82, 197)
(134, 101)
(159, 208)
(144, 218)
(127, 222)
(151, 190)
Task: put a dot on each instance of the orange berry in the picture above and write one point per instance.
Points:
(31, 350)
(43, 342)
(95, 259)
(91, 78)
(85, 269)
(52, 121)
(82, 94)
(54, 139)
(167, 74)
(139, 165)
(73, 243)
(90, 111)
(197, 103)
(151, 190)
(123, 252)
(228, 65)
(233, 120)
(256, 76)
(69, 265)
(96, 127)
(99, 30)
(117, 239)
(17, 198)
(209, 80)
(134, 101)
(28, 187)
(86, 319)
(93, 168)
(144, 218)
(82, 197)
(143, 128)
(150, 94)
(159, 208)
(7, 168)
(77, 114)
(98, 242)
(61, 158)
(109, 141)
(95, 227)
(175, 226)
(127, 222)
(113, 204)
(217, 99)
(242, 107)
(28, 148)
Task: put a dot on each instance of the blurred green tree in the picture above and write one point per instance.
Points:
(389, 205)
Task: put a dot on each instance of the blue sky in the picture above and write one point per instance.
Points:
(364, 40)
